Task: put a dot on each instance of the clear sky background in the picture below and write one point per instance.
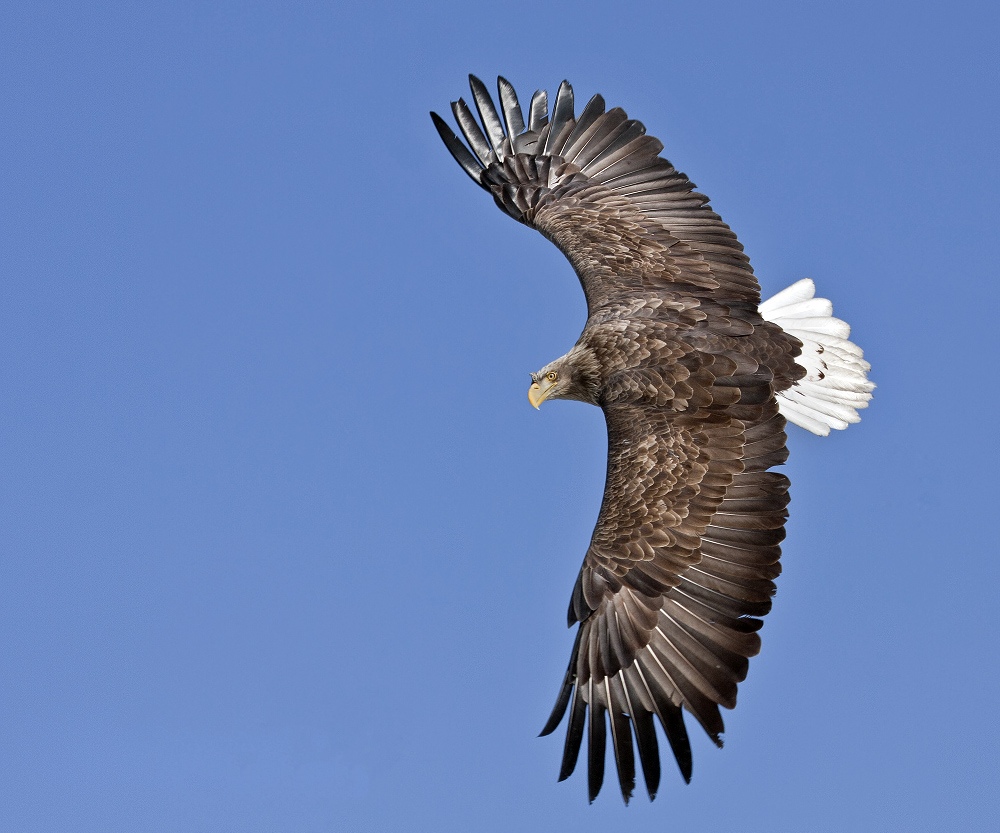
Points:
(284, 547)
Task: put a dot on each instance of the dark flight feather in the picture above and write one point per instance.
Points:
(457, 149)
(512, 116)
(564, 694)
(596, 743)
(621, 736)
(562, 119)
(488, 113)
(473, 135)
(649, 749)
(594, 108)
(538, 111)
(574, 734)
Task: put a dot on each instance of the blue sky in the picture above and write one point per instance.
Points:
(284, 546)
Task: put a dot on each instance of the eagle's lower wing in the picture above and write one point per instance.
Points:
(682, 558)
(595, 185)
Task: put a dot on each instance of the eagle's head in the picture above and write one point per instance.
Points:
(577, 375)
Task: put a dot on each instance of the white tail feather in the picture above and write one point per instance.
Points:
(836, 384)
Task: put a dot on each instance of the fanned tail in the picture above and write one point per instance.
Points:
(836, 384)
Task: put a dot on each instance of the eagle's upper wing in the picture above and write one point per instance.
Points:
(627, 220)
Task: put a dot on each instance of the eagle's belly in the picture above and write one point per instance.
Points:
(688, 363)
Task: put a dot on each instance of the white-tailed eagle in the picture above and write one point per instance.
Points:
(696, 378)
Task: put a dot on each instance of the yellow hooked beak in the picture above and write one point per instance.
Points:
(540, 391)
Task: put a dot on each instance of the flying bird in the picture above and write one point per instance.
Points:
(696, 378)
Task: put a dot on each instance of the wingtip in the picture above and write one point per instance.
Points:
(687, 769)
(478, 87)
(459, 151)
(627, 797)
(558, 711)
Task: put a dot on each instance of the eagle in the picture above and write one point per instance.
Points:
(696, 378)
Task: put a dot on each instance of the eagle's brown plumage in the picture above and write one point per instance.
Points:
(686, 547)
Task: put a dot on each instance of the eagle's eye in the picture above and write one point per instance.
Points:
(551, 375)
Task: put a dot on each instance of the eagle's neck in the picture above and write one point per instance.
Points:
(585, 374)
